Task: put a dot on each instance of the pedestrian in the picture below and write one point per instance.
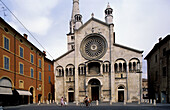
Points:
(86, 101)
(65, 101)
(62, 102)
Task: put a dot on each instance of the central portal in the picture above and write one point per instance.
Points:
(95, 93)
(94, 89)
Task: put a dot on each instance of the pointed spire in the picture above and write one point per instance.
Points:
(75, 8)
(108, 6)
(76, 17)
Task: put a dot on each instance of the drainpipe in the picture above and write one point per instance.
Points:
(110, 61)
(167, 53)
(36, 75)
(127, 81)
(15, 60)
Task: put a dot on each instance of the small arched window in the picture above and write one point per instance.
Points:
(103, 68)
(116, 67)
(134, 66)
(70, 71)
(82, 70)
(124, 67)
(79, 70)
(60, 74)
(120, 67)
(106, 67)
(130, 66)
(66, 71)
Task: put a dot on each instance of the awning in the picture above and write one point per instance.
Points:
(22, 92)
(5, 91)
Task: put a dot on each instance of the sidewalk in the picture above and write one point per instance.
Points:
(93, 104)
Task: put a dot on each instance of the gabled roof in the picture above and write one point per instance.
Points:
(94, 19)
(157, 45)
(125, 47)
(17, 33)
(64, 55)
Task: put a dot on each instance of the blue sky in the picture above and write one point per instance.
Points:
(138, 23)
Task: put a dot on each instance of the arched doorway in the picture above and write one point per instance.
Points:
(94, 89)
(49, 96)
(120, 94)
(6, 94)
(31, 97)
(94, 68)
(39, 97)
(70, 95)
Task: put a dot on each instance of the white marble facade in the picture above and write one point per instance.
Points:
(96, 66)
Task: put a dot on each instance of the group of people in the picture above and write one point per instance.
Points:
(63, 101)
(86, 101)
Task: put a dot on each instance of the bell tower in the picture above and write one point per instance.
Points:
(108, 14)
(75, 23)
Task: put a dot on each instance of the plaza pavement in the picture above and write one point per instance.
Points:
(101, 106)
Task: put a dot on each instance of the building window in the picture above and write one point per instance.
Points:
(155, 58)
(21, 52)
(121, 75)
(60, 72)
(72, 46)
(32, 58)
(21, 84)
(69, 79)
(6, 63)
(49, 67)
(79, 70)
(6, 43)
(21, 68)
(116, 68)
(124, 67)
(164, 71)
(70, 71)
(39, 63)
(72, 37)
(6, 29)
(39, 87)
(120, 67)
(82, 70)
(49, 79)
(156, 76)
(39, 75)
(164, 51)
(32, 72)
(134, 66)
(130, 66)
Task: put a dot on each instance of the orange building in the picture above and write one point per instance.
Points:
(26, 75)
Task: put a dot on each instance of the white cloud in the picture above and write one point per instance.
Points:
(35, 14)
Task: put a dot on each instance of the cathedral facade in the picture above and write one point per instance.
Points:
(96, 66)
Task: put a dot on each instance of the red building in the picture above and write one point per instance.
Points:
(26, 75)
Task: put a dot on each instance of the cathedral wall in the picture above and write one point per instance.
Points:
(106, 87)
(64, 61)
(82, 91)
(91, 27)
(134, 86)
(59, 91)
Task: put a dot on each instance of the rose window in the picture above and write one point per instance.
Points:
(93, 47)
